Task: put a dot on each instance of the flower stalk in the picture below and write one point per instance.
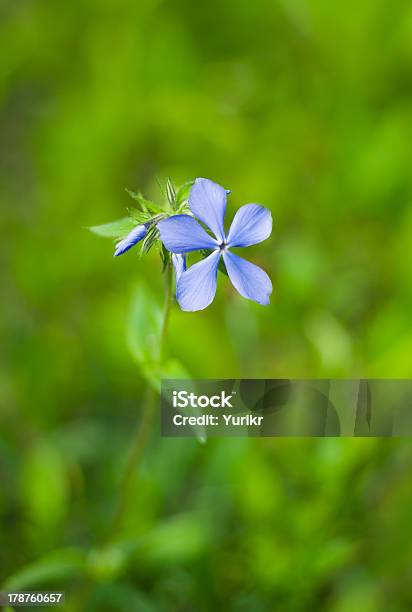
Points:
(144, 428)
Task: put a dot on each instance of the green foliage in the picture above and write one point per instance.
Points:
(301, 106)
(44, 486)
(151, 238)
(144, 330)
(48, 571)
(117, 229)
(171, 193)
(144, 205)
(182, 195)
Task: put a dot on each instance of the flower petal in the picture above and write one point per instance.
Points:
(182, 234)
(251, 224)
(207, 201)
(250, 280)
(196, 287)
(131, 239)
(179, 264)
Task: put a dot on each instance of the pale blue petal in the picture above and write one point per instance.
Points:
(250, 280)
(197, 286)
(207, 201)
(251, 224)
(137, 234)
(182, 234)
(179, 264)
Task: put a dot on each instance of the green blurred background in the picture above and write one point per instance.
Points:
(303, 106)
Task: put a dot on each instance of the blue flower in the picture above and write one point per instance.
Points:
(132, 238)
(196, 287)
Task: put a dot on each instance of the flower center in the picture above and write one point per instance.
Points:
(223, 247)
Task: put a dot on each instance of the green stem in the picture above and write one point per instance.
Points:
(144, 428)
(166, 311)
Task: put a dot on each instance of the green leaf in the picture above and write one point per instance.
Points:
(182, 193)
(144, 204)
(58, 566)
(138, 215)
(180, 539)
(105, 563)
(45, 472)
(143, 330)
(150, 239)
(116, 229)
